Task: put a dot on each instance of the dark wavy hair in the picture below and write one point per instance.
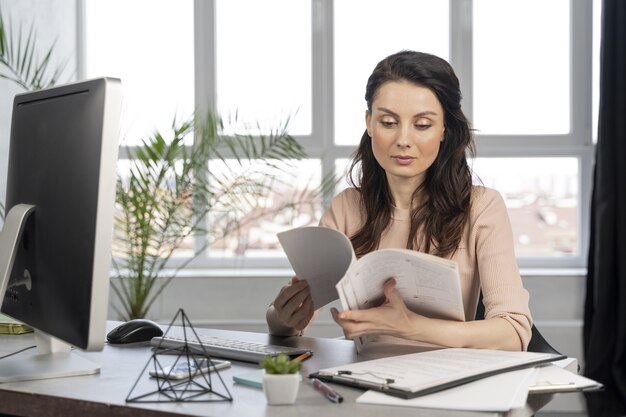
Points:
(444, 210)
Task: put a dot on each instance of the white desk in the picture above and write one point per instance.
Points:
(104, 394)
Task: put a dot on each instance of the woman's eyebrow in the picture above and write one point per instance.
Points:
(427, 113)
(420, 114)
(386, 110)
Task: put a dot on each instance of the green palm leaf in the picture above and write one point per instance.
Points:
(171, 190)
(19, 61)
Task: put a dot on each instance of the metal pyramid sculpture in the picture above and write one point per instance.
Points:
(200, 388)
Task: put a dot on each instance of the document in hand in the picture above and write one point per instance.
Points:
(417, 374)
(428, 284)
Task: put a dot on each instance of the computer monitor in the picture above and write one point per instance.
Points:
(55, 245)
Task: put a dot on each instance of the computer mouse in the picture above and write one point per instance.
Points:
(133, 331)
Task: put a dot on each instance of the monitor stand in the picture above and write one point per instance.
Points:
(10, 237)
(53, 358)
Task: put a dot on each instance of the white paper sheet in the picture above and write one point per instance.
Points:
(552, 378)
(498, 393)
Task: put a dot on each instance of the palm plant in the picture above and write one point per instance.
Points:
(170, 190)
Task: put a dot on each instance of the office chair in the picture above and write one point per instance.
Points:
(537, 342)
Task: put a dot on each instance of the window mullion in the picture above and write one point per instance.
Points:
(581, 44)
(205, 89)
(322, 74)
(204, 54)
(461, 59)
(581, 40)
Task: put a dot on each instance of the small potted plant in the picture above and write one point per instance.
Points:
(281, 380)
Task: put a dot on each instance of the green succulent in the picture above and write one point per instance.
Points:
(280, 364)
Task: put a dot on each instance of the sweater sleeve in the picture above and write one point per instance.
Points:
(503, 293)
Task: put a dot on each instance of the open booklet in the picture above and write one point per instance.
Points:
(9, 325)
(417, 374)
(429, 285)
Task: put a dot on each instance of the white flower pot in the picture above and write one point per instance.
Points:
(281, 388)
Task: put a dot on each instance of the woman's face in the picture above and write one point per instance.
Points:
(406, 125)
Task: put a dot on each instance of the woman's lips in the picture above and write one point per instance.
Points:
(403, 160)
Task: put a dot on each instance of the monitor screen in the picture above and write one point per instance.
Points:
(62, 169)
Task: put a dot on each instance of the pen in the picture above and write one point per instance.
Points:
(330, 393)
(304, 356)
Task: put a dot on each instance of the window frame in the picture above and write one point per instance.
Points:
(320, 143)
(576, 143)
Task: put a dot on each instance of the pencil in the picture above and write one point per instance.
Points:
(304, 356)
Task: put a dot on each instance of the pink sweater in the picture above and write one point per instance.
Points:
(485, 254)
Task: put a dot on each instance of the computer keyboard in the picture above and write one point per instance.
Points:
(226, 348)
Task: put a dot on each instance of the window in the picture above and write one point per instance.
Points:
(541, 194)
(149, 45)
(521, 79)
(526, 78)
(359, 47)
(531, 110)
(263, 65)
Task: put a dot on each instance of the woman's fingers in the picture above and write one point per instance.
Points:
(304, 315)
(294, 305)
(354, 323)
(289, 291)
(377, 320)
(392, 296)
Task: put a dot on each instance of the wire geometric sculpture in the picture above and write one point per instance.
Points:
(192, 389)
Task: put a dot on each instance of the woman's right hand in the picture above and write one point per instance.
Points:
(294, 305)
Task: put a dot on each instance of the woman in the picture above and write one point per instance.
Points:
(413, 189)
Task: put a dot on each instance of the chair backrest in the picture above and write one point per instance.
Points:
(537, 342)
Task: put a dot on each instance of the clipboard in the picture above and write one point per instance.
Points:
(417, 374)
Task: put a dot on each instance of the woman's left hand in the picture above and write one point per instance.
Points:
(391, 318)
(395, 319)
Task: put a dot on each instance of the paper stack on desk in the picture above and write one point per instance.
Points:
(502, 392)
(554, 379)
(497, 393)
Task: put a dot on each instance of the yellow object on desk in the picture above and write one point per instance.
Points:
(10, 326)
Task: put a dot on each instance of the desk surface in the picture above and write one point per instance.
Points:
(104, 394)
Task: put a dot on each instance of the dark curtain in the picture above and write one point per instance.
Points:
(604, 333)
